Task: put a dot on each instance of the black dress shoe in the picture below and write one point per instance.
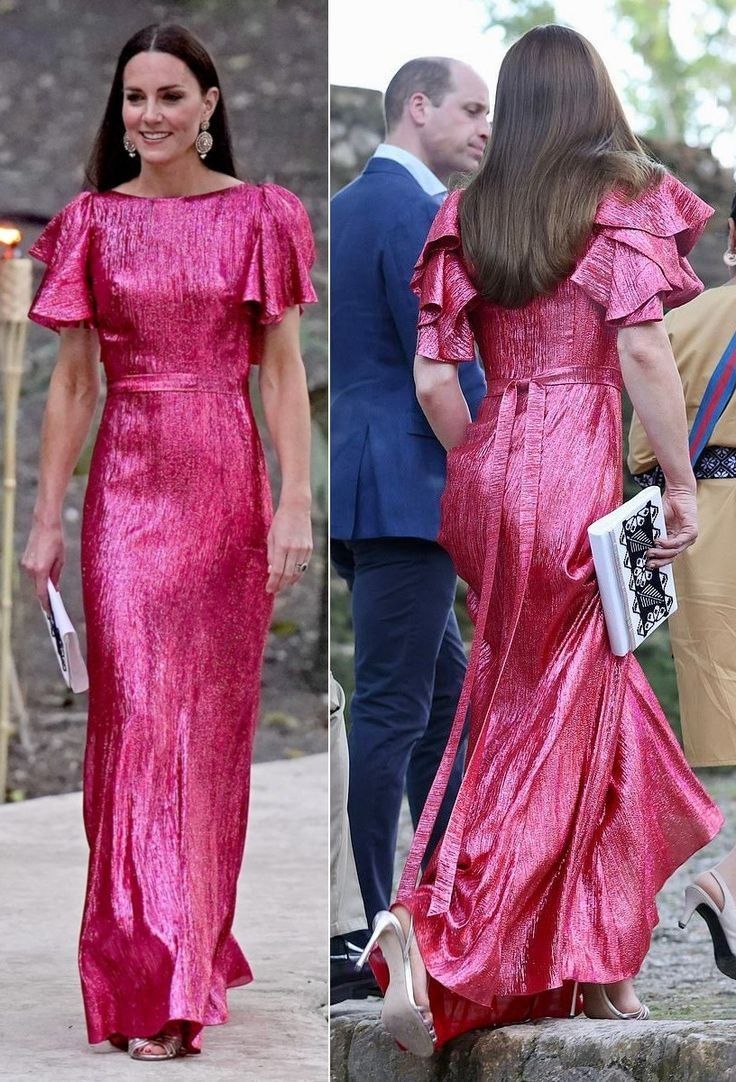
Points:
(347, 982)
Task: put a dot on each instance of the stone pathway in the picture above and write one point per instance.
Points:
(277, 1025)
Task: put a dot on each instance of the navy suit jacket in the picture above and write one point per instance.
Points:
(387, 467)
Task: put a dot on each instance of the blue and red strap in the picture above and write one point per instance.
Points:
(718, 393)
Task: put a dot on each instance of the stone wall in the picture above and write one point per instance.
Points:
(356, 129)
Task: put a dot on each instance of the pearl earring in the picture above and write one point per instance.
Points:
(729, 258)
(129, 145)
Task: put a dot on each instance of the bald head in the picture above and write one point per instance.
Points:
(437, 108)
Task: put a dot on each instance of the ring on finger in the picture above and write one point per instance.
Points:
(301, 568)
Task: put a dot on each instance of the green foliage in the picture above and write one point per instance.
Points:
(675, 87)
(664, 97)
(85, 457)
(515, 17)
(684, 86)
(284, 628)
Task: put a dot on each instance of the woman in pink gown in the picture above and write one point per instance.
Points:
(576, 803)
(181, 555)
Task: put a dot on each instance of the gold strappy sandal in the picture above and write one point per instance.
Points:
(170, 1043)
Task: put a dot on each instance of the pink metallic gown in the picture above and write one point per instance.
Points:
(174, 562)
(577, 803)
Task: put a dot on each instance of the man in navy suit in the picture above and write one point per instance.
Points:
(387, 467)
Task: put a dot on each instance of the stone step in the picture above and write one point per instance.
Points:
(578, 1050)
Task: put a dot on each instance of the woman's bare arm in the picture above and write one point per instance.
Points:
(654, 387)
(282, 382)
(440, 395)
(73, 392)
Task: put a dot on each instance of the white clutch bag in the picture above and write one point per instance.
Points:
(636, 599)
(65, 642)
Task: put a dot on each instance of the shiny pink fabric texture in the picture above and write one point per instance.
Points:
(174, 568)
(577, 803)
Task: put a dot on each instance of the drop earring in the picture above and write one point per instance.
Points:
(203, 142)
(129, 145)
(729, 257)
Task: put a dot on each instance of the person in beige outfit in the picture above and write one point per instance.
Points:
(703, 630)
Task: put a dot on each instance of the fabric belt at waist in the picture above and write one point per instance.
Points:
(557, 377)
(175, 381)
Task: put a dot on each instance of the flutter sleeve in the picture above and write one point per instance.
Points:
(446, 293)
(64, 297)
(634, 264)
(282, 256)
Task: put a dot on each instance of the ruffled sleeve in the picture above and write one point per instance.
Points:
(65, 295)
(635, 263)
(282, 256)
(445, 291)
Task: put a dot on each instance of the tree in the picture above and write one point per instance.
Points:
(515, 17)
(687, 90)
(693, 97)
(664, 97)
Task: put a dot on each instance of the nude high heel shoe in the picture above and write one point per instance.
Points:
(408, 1023)
(597, 1004)
(721, 922)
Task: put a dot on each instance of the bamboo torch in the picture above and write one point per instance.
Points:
(15, 300)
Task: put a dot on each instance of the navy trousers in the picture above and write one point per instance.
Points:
(409, 668)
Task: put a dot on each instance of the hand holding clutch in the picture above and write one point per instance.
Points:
(65, 642)
(638, 594)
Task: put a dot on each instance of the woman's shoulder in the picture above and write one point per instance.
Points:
(666, 208)
(634, 261)
(69, 224)
(445, 229)
(278, 201)
(282, 219)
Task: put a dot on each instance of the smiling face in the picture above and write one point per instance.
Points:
(454, 133)
(163, 107)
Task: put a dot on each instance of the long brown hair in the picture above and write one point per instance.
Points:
(559, 142)
(109, 165)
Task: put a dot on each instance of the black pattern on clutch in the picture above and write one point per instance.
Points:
(58, 641)
(650, 602)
